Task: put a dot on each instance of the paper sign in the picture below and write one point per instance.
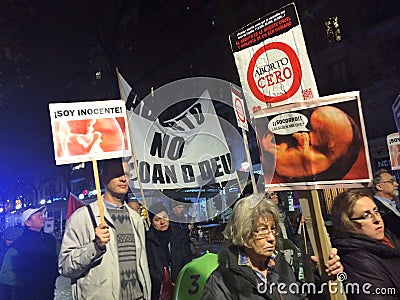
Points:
(272, 61)
(393, 142)
(92, 130)
(316, 143)
(238, 106)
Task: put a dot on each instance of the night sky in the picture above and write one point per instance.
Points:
(51, 50)
(59, 47)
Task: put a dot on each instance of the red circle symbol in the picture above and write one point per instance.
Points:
(296, 68)
(240, 110)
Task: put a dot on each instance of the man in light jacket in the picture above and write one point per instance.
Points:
(107, 261)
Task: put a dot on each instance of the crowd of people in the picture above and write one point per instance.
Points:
(124, 257)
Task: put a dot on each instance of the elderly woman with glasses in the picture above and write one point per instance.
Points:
(369, 252)
(251, 268)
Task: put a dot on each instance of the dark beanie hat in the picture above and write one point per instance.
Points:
(155, 209)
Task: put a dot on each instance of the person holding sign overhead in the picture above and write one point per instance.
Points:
(107, 260)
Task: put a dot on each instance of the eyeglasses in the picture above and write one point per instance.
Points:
(391, 181)
(368, 215)
(262, 232)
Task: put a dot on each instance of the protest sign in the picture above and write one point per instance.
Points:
(188, 150)
(272, 60)
(393, 142)
(315, 143)
(238, 107)
(86, 131)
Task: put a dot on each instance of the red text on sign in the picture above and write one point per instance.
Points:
(275, 77)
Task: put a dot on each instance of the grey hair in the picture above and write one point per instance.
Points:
(245, 215)
(377, 177)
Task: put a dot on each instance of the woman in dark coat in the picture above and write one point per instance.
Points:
(161, 249)
(369, 253)
(251, 268)
(157, 246)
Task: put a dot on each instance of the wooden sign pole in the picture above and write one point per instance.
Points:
(320, 241)
(98, 189)
(124, 97)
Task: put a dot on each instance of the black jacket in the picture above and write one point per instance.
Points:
(180, 240)
(391, 220)
(30, 266)
(158, 256)
(369, 262)
(232, 281)
(167, 249)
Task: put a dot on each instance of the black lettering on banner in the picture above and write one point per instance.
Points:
(186, 121)
(197, 113)
(195, 284)
(144, 171)
(173, 125)
(206, 170)
(217, 167)
(227, 163)
(170, 174)
(155, 172)
(158, 176)
(164, 174)
(187, 173)
(158, 145)
(211, 168)
(173, 148)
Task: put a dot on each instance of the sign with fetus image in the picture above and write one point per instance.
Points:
(92, 130)
(393, 142)
(323, 142)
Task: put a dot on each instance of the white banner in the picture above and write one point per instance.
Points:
(186, 151)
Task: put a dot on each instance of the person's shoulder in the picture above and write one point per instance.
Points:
(378, 199)
(3, 247)
(357, 256)
(80, 216)
(48, 236)
(150, 238)
(134, 215)
(380, 204)
(228, 255)
(84, 211)
(20, 243)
